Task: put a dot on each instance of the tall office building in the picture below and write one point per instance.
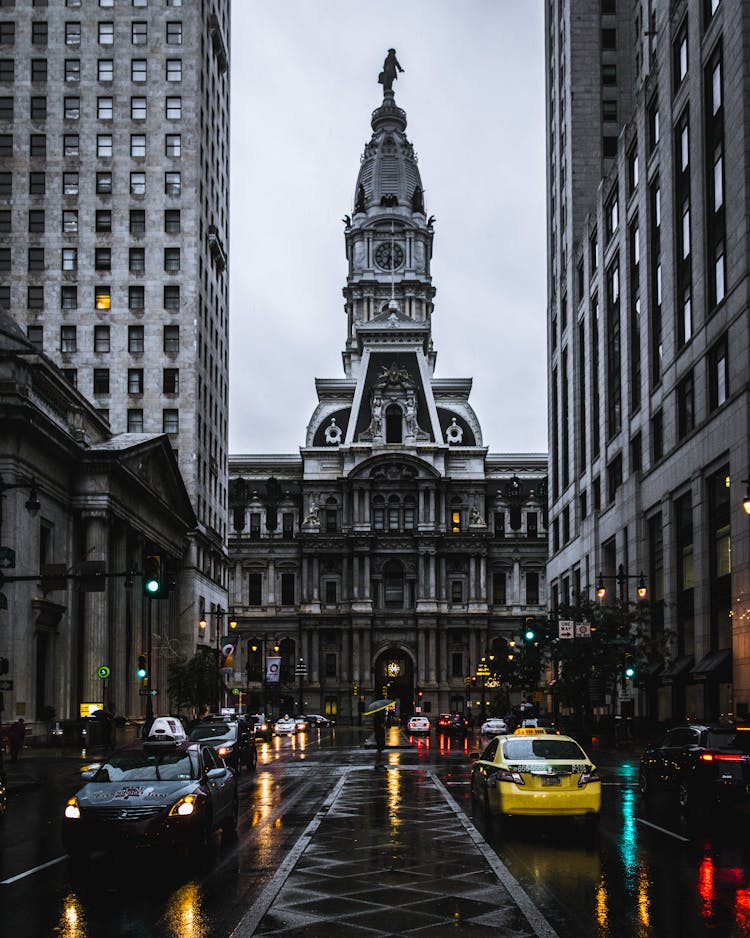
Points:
(114, 134)
(647, 180)
(394, 555)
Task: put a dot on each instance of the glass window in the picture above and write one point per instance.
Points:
(70, 221)
(172, 339)
(70, 258)
(70, 145)
(174, 33)
(138, 70)
(138, 109)
(718, 373)
(72, 34)
(36, 220)
(135, 381)
(35, 297)
(102, 296)
(137, 183)
(173, 144)
(6, 184)
(105, 69)
(101, 338)
(37, 145)
(101, 380)
(104, 145)
(39, 70)
(174, 109)
(39, 33)
(137, 221)
(68, 296)
(106, 34)
(172, 296)
(172, 183)
(136, 298)
(174, 69)
(38, 108)
(135, 420)
(171, 381)
(104, 183)
(170, 420)
(68, 339)
(139, 32)
(102, 258)
(171, 260)
(137, 145)
(35, 335)
(104, 109)
(137, 260)
(37, 183)
(71, 108)
(135, 339)
(171, 220)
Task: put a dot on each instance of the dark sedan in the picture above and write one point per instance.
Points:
(453, 723)
(703, 764)
(232, 740)
(152, 792)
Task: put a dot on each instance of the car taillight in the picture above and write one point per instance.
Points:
(590, 775)
(722, 757)
(504, 775)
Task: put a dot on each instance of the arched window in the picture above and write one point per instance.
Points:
(393, 585)
(393, 430)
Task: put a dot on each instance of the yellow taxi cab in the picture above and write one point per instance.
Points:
(536, 773)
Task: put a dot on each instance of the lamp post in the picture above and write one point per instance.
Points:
(301, 672)
(218, 614)
(483, 672)
(621, 578)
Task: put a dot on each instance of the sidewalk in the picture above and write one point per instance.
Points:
(38, 763)
(391, 852)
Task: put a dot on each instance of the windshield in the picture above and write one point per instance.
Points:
(527, 748)
(214, 731)
(148, 766)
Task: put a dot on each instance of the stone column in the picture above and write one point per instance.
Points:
(431, 656)
(95, 650)
(472, 578)
(117, 636)
(421, 674)
(366, 583)
(443, 657)
(315, 656)
(356, 655)
(345, 657)
(271, 574)
(316, 579)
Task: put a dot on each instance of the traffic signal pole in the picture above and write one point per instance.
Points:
(149, 696)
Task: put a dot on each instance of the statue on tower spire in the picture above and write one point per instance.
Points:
(389, 73)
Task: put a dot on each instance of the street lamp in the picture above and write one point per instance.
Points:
(746, 499)
(621, 577)
(218, 614)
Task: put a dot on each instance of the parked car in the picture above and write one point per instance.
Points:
(540, 723)
(260, 725)
(301, 724)
(285, 726)
(494, 726)
(418, 724)
(454, 723)
(536, 774)
(155, 792)
(702, 764)
(232, 740)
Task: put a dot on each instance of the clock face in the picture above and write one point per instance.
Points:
(394, 669)
(389, 255)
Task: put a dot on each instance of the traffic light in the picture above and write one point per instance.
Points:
(152, 575)
(629, 671)
(141, 670)
(529, 631)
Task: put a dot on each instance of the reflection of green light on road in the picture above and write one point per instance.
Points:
(628, 838)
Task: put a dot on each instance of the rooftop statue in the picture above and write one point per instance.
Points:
(389, 73)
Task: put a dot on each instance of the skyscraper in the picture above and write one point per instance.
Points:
(647, 180)
(114, 204)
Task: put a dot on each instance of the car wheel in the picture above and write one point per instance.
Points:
(686, 799)
(198, 847)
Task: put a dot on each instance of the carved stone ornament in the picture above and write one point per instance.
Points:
(475, 518)
(454, 433)
(311, 518)
(333, 433)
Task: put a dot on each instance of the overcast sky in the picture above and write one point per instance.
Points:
(304, 84)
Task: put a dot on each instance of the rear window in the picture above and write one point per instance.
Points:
(528, 748)
(729, 739)
(213, 731)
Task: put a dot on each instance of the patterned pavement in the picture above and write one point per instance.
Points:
(391, 854)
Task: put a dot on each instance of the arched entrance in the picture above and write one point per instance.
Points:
(394, 678)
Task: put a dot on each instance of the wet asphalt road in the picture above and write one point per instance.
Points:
(650, 872)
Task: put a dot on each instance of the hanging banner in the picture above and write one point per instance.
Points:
(273, 667)
(227, 657)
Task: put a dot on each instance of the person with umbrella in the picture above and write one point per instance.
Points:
(377, 710)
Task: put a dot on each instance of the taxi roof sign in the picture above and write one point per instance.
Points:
(531, 731)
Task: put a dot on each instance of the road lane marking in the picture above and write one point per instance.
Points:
(250, 921)
(43, 866)
(664, 830)
(535, 918)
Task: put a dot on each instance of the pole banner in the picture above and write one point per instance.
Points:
(273, 667)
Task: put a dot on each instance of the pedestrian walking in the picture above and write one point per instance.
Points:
(379, 731)
(16, 734)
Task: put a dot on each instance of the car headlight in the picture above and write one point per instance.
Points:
(72, 810)
(184, 807)
(224, 751)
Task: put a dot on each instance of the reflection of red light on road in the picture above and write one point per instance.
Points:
(706, 886)
(742, 908)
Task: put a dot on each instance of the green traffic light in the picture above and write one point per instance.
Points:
(629, 672)
(529, 635)
(152, 586)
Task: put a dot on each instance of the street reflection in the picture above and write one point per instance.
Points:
(73, 919)
(183, 913)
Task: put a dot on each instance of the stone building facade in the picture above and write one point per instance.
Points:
(73, 494)
(648, 330)
(394, 551)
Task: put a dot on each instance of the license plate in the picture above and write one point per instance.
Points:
(550, 780)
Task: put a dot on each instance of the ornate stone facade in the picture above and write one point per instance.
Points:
(394, 550)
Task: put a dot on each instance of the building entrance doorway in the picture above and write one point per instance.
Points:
(394, 678)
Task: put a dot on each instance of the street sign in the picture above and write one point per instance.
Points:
(6, 685)
(583, 630)
(148, 693)
(103, 672)
(565, 628)
(7, 558)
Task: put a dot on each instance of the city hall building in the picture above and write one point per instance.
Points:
(393, 552)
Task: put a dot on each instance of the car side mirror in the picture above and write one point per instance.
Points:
(216, 773)
(88, 774)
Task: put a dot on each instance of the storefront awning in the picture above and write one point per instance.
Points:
(677, 670)
(716, 666)
(647, 672)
